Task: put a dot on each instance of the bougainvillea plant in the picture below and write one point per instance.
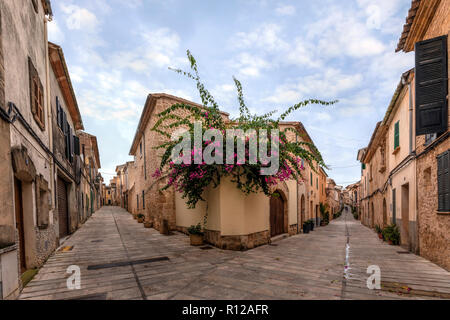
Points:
(192, 178)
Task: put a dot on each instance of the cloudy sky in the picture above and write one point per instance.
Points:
(119, 51)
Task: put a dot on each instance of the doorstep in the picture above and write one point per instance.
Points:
(279, 237)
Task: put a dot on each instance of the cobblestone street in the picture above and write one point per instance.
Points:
(305, 266)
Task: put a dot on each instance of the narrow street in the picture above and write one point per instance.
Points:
(305, 266)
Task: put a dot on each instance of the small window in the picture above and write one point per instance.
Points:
(143, 200)
(36, 96)
(137, 201)
(311, 178)
(443, 181)
(35, 5)
(140, 148)
(397, 135)
(429, 138)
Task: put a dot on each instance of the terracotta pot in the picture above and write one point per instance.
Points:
(140, 220)
(390, 242)
(380, 235)
(196, 239)
(148, 224)
(135, 216)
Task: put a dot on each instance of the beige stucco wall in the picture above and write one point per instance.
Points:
(232, 212)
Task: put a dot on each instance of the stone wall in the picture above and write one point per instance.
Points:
(434, 236)
(433, 227)
(236, 243)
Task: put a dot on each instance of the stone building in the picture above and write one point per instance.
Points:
(405, 174)
(91, 179)
(389, 167)
(333, 196)
(39, 143)
(235, 221)
(353, 190)
(426, 32)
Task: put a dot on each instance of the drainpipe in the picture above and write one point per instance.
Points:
(410, 119)
(49, 112)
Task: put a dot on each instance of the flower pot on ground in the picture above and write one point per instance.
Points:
(379, 231)
(140, 218)
(148, 224)
(306, 227)
(391, 234)
(196, 235)
(311, 225)
(135, 216)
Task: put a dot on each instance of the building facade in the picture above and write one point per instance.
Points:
(427, 33)
(233, 221)
(39, 143)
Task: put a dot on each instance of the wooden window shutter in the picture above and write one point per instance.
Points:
(58, 112)
(76, 142)
(443, 177)
(396, 134)
(70, 137)
(431, 86)
(32, 73)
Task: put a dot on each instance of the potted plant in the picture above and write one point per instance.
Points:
(391, 234)
(134, 216)
(379, 231)
(196, 235)
(148, 224)
(140, 218)
(306, 227)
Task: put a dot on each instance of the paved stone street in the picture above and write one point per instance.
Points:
(305, 266)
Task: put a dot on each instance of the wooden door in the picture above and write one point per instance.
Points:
(62, 208)
(276, 216)
(20, 222)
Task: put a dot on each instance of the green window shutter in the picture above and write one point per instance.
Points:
(443, 181)
(397, 135)
(363, 166)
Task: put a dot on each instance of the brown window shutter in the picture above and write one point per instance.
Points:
(431, 86)
(443, 177)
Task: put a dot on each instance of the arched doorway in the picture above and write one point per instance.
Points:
(302, 210)
(277, 213)
(384, 213)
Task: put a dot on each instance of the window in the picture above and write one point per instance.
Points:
(35, 5)
(397, 135)
(140, 148)
(137, 201)
(431, 75)
(36, 96)
(143, 200)
(311, 178)
(429, 138)
(443, 177)
(317, 183)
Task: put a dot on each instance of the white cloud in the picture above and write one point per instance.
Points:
(266, 37)
(54, 32)
(79, 18)
(344, 33)
(303, 53)
(328, 84)
(285, 10)
(249, 65)
(157, 49)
